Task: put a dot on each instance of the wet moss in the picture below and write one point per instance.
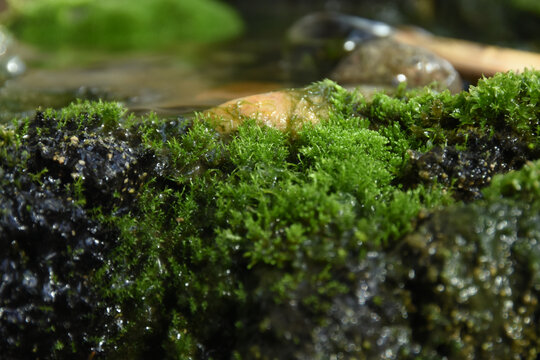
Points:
(504, 102)
(461, 141)
(162, 237)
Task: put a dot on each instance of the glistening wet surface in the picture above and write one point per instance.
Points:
(166, 83)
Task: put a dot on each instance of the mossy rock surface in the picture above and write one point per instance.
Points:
(400, 227)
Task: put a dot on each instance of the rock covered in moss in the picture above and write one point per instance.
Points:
(463, 285)
(262, 243)
(463, 140)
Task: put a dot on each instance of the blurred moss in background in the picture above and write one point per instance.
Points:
(527, 5)
(120, 24)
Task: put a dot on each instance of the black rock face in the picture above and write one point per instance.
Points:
(50, 308)
(104, 161)
(50, 248)
(473, 280)
(470, 169)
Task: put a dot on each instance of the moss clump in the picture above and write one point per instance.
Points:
(526, 6)
(504, 102)
(521, 185)
(268, 244)
(463, 140)
(120, 24)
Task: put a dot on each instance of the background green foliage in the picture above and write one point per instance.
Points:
(121, 24)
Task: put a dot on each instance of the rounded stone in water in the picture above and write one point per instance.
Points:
(331, 25)
(316, 42)
(388, 62)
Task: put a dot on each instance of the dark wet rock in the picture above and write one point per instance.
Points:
(50, 247)
(50, 304)
(474, 281)
(110, 168)
(468, 169)
(371, 322)
(367, 322)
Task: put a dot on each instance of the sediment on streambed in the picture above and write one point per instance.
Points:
(395, 227)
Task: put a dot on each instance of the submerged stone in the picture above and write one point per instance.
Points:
(11, 65)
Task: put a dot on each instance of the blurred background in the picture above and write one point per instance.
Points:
(508, 22)
(176, 56)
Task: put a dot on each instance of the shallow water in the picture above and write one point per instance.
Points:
(176, 82)
(181, 80)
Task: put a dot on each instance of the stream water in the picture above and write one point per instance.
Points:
(175, 82)
(183, 79)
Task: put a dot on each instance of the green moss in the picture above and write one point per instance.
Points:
(88, 114)
(504, 102)
(530, 6)
(121, 24)
(521, 185)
